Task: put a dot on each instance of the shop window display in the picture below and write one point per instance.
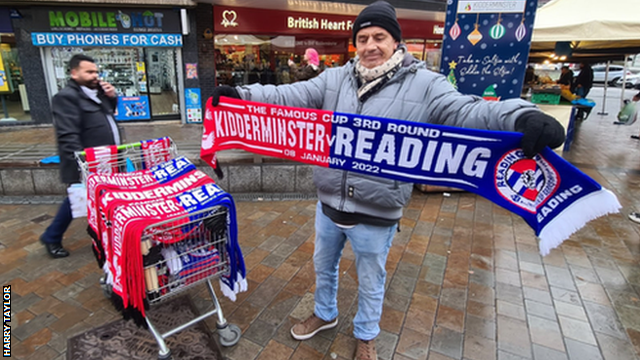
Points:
(248, 59)
(144, 78)
(13, 94)
(425, 50)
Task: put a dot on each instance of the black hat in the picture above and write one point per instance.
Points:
(381, 14)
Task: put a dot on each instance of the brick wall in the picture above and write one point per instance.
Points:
(206, 62)
(32, 69)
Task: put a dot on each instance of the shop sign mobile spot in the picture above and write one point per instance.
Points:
(71, 19)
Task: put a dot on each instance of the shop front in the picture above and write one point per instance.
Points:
(255, 45)
(139, 51)
(13, 94)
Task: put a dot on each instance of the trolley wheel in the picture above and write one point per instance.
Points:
(229, 335)
(167, 356)
(107, 289)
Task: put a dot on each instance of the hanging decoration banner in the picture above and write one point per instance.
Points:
(554, 197)
(486, 45)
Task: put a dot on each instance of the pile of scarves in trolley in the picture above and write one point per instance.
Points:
(125, 208)
(104, 159)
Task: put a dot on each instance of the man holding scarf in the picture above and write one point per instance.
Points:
(384, 80)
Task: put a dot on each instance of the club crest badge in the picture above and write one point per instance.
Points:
(526, 183)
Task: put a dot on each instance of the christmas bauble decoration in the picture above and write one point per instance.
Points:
(455, 31)
(521, 31)
(497, 31)
(474, 36)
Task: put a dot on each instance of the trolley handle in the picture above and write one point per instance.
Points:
(119, 147)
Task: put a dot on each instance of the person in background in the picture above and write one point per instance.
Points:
(530, 75)
(566, 77)
(310, 67)
(384, 80)
(584, 81)
(581, 86)
(82, 118)
(629, 113)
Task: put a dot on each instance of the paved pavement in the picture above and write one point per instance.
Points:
(465, 280)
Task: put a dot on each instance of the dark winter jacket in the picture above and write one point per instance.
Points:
(584, 78)
(566, 78)
(305, 72)
(79, 123)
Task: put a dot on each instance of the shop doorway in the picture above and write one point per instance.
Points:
(146, 79)
(162, 81)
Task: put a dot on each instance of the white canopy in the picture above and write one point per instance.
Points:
(595, 28)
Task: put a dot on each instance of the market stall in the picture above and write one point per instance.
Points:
(571, 31)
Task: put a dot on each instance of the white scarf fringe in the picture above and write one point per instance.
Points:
(574, 217)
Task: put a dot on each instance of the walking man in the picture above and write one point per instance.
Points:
(384, 80)
(582, 85)
(83, 118)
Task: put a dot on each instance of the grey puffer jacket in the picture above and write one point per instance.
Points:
(414, 94)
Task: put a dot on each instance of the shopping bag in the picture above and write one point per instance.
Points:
(78, 198)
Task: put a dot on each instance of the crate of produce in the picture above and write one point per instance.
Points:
(545, 98)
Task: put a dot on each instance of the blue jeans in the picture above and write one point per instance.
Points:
(60, 223)
(371, 246)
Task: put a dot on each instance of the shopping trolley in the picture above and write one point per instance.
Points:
(179, 254)
(126, 157)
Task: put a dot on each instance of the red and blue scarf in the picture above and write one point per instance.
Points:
(554, 197)
(98, 183)
(191, 208)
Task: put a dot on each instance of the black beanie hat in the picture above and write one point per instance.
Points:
(381, 14)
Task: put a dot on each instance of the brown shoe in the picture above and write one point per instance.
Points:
(366, 350)
(308, 328)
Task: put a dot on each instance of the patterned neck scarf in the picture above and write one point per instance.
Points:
(373, 79)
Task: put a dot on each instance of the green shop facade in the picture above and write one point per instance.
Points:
(150, 55)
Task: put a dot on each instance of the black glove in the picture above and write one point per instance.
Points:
(223, 90)
(539, 130)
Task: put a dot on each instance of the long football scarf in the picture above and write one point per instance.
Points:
(189, 209)
(155, 151)
(111, 199)
(97, 183)
(554, 197)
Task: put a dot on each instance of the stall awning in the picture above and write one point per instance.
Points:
(587, 20)
(595, 29)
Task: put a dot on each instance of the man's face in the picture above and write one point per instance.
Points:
(86, 74)
(374, 46)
